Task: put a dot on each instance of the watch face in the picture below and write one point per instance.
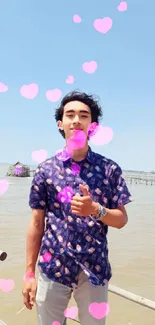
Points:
(103, 212)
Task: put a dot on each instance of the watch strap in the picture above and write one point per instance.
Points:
(101, 212)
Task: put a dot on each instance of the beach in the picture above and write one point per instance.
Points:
(131, 253)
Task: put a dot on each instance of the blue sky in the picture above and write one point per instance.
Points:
(40, 43)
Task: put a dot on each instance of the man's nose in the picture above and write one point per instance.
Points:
(76, 119)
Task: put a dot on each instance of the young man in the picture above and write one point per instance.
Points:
(70, 235)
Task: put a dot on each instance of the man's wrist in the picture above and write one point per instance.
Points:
(29, 276)
(30, 267)
(95, 209)
(98, 211)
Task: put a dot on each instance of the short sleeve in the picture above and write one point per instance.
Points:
(38, 191)
(120, 194)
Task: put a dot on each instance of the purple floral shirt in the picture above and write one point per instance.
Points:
(72, 243)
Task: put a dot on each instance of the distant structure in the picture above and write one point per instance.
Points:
(145, 178)
(18, 170)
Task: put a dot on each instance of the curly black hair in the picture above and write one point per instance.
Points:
(89, 100)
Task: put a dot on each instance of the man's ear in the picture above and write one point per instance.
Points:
(59, 123)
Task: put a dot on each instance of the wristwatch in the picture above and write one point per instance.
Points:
(101, 212)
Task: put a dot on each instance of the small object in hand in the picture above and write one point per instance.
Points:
(3, 255)
(20, 310)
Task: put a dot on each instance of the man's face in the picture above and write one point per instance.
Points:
(76, 116)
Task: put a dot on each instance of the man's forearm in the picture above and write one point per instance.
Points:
(116, 218)
(33, 243)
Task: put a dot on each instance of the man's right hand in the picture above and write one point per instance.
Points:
(29, 293)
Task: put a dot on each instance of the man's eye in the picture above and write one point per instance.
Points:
(84, 116)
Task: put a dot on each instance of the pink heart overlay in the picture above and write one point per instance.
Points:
(39, 156)
(18, 170)
(29, 277)
(63, 154)
(6, 285)
(53, 95)
(3, 87)
(89, 67)
(56, 323)
(75, 169)
(47, 257)
(71, 312)
(103, 135)
(65, 195)
(77, 19)
(99, 310)
(92, 129)
(29, 91)
(76, 141)
(70, 80)
(103, 25)
(122, 6)
(4, 185)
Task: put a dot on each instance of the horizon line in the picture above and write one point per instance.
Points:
(124, 170)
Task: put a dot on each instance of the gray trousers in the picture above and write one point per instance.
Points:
(52, 299)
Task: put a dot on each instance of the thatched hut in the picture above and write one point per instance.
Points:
(19, 170)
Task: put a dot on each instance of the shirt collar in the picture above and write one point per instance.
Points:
(89, 157)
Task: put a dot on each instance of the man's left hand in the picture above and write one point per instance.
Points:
(83, 205)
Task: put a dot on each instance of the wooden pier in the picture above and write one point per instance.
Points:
(32, 172)
(141, 178)
(131, 178)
